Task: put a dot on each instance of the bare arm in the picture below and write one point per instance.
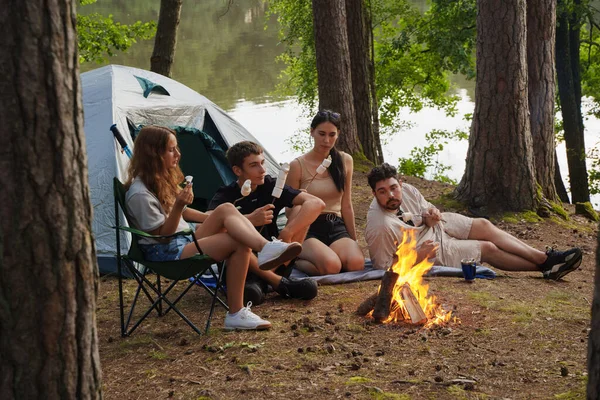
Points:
(310, 208)
(185, 197)
(347, 208)
(293, 179)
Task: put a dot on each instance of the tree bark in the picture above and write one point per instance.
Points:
(48, 271)
(166, 37)
(561, 190)
(499, 173)
(541, 23)
(569, 93)
(372, 87)
(593, 386)
(333, 68)
(359, 59)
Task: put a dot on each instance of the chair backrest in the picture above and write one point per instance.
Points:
(135, 253)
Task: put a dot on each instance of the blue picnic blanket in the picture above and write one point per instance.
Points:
(370, 273)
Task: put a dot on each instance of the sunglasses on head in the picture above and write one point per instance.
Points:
(328, 114)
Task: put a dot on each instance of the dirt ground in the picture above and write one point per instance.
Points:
(519, 337)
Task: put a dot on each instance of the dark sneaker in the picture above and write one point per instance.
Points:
(253, 292)
(560, 263)
(303, 289)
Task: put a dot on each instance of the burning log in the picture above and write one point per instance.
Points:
(416, 313)
(381, 311)
(367, 306)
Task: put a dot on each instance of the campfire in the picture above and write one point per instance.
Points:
(402, 295)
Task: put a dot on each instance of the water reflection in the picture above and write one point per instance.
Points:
(225, 54)
(229, 57)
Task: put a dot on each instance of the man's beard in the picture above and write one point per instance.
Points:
(392, 205)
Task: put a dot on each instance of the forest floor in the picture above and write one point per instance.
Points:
(519, 336)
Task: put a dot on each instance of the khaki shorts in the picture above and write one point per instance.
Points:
(455, 245)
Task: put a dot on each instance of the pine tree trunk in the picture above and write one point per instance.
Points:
(359, 59)
(48, 271)
(569, 93)
(593, 387)
(166, 37)
(372, 87)
(333, 68)
(499, 172)
(561, 190)
(541, 23)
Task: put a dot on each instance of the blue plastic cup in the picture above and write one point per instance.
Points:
(469, 267)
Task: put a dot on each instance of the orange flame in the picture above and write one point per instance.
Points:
(412, 273)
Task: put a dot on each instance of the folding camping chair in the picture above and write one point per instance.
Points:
(188, 270)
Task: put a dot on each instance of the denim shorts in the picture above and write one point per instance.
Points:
(166, 251)
(328, 228)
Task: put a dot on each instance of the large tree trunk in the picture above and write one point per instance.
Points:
(541, 22)
(569, 93)
(593, 387)
(48, 271)
(561, 190)
(358, 43)
(499, 172)
(166, 37)
(333, 68)
(372, 87)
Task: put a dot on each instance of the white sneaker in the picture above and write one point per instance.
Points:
(276, 253)
(245, 319)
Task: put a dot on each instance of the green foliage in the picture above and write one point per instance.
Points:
(413, 52)
(101, 36)
(424, 160)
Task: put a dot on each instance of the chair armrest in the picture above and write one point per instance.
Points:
(137, 232)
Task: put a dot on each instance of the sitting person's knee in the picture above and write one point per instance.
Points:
(487, 248)
(225, 208)
(355, 264)
(330, 266)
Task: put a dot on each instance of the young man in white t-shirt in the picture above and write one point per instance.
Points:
(448, 237)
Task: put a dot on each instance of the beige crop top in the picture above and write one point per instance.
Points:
(322, 187)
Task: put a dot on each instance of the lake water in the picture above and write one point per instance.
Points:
(227, 55)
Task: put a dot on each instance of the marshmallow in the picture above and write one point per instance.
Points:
(283, 172)
(246, 188)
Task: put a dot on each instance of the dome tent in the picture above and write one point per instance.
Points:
(113, 95)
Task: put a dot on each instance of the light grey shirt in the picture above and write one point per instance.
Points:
(384, 230)
(145, 211)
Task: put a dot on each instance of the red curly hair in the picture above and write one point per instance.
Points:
(148, 163)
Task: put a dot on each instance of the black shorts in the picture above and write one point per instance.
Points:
(328, 228)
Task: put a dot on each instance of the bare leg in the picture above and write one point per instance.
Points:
(321, 259)
(227, 217)
(223, 247)
(300, 235)
(268, 276)
(482, 229)
(501, 259)
(349, 253)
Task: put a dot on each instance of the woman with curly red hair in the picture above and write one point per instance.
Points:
(157, 205)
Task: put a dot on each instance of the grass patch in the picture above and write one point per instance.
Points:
(357, 379)
(448, 202)
(525, 216)
(380, 395)
(158, 355)
(484, 299)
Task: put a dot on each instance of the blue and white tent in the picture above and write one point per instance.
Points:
(114, 94)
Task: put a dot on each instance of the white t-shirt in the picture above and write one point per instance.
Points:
(145, 210)
(384, 229)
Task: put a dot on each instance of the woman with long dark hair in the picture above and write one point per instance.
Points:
(330, 245)
(158, 205)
